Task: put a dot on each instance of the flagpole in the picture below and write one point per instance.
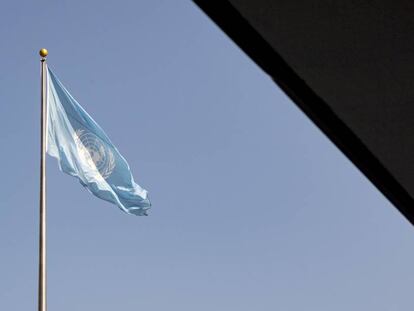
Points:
(42, 206)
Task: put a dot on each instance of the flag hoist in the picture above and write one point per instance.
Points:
(84, 151)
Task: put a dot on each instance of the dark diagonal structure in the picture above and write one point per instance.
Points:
(349, 65)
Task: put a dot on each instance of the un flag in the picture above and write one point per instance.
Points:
(83, 150)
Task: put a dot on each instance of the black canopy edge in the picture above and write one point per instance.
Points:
(250, 41)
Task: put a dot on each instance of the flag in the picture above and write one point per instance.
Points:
(84, 151)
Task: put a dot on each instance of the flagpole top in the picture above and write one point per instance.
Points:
(43, 53)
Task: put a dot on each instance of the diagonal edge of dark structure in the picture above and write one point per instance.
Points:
(251, 42)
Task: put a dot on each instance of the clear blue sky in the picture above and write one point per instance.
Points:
(253, 207)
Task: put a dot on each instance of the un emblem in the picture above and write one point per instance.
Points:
(94, 153)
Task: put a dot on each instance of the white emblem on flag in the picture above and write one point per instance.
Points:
(94, 153)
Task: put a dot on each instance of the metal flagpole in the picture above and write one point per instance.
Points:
(42, 227)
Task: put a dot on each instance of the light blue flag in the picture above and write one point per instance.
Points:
(85, 151)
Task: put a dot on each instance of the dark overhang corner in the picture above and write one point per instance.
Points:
(231, 21)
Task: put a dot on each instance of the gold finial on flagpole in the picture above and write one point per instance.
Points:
(43, 53)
